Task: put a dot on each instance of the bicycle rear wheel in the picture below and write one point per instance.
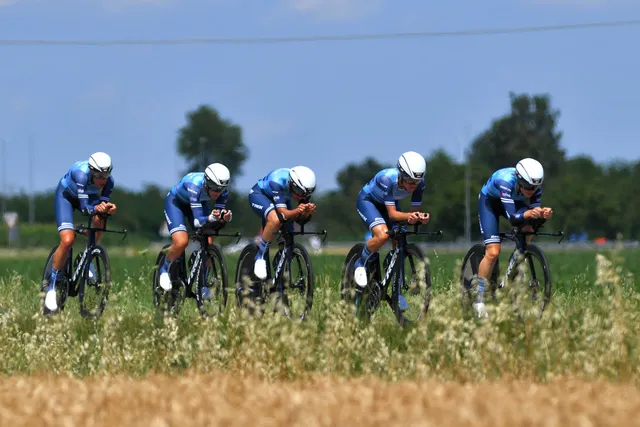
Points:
(348, 285)
(62, 285)
(248, 287)
(170, 302)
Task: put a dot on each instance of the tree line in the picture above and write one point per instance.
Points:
(600, 199)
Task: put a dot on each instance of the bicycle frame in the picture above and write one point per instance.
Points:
(398, 254)
(519, 237)
(202, 237)
(91, 242)
(287, 254)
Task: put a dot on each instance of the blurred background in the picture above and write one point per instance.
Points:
(341, 86)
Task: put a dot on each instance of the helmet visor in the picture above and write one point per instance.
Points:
(406, 178)
(526, 186)
(299, 191)
(217, 188)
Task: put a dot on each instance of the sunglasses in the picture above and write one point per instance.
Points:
(217, 188)
(300, 192)
(100, 175)
(528, 187)
(411, 181)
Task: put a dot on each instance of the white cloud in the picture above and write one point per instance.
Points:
(8, 2)
(267, 129)
(102, 93)
(585, 3)
(119, 5)
(335, 10)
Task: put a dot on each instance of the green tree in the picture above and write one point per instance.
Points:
(529, 130)
(208, 138)
(354, 176)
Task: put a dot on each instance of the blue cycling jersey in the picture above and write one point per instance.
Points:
(276, 186)
(190, 191)
(384, 189)
(503, 185)
(77, 184)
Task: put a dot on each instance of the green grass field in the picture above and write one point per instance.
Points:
(589, 331)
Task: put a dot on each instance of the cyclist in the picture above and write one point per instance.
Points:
(189, 199)
(271, 198)
(87, 187)
(378, 205)
(514, 193)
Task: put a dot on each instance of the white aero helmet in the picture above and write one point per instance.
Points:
(100, 162)
(412, 166)
(303, 181)
(216, 177)
(530, 173)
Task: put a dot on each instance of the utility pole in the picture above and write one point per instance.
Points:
(4, 175)
(467, 187)
(32, 205)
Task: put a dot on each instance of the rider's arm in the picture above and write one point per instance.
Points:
(515, 218)
(536, 199)
(280, 200)
(221, 202)
(416, 197)
(383, 184)
(105, 196)
(81, 179)
(200, 215)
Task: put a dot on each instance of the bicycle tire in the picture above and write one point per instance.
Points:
(533, 251)
(156, 277)
(299, 251)
(412, 252)
(246, 282)
(348, 284)
(96, 252)
(62, 287)
(170, 301)
(214, 253)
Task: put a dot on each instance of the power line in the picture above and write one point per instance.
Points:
(345, 37)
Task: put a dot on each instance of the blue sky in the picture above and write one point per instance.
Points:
(342, 101)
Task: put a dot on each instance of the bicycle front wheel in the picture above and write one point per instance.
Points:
(95, 283)
(415, 286)
(297, 295)
(211, 291)
(535, 277)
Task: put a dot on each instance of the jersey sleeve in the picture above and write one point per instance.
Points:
(506, 197)
(200, 216)
(280, 197)
(105, 196)
(536, 199)
(416, 197)
(221, 202)
(82, 179)
(383, 185)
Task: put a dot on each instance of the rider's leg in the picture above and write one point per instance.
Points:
(376, 221)
(272, 225)
(64, 219)
(491, 254)
(176, 223)
(265, 209)
(488, 216)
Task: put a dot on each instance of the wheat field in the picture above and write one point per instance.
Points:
(578, 365)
